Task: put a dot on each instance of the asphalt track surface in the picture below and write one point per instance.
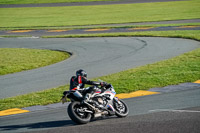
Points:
(170, 112)
(97, 56)
(83, 3)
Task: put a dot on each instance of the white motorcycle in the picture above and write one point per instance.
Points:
(101, 102)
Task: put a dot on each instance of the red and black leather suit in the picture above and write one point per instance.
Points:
(78, 82)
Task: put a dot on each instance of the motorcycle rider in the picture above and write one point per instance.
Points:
(78, 82)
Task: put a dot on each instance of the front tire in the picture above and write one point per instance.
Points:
(74, 112)
(121, 110)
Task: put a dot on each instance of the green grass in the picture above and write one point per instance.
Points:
(99, 14)
(43, 1)
(20, 59)
(189, 34)
(180, 69)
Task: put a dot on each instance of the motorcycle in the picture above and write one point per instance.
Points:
(99, 103)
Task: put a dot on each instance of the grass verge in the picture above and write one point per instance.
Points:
(20, 59)
(189, 34)
(183, 68)
(101, 14)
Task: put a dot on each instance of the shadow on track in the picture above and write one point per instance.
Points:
(40, 125)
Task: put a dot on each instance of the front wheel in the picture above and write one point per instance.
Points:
(121, 108)
(77, 114)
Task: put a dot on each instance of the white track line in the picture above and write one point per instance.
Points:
(171, 110)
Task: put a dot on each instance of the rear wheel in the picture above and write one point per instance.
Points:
(121, 109)
(77, 114)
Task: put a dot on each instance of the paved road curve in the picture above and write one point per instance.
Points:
(98, 56)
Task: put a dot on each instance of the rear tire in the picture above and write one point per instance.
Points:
(76, 115)
(121, 110)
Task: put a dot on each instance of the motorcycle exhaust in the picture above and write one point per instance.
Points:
(90, 106)
(96, 115)
(100, 114)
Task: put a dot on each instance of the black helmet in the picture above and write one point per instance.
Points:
(81, 73)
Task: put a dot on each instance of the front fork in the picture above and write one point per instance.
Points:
(110, 106)
(116, 99)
